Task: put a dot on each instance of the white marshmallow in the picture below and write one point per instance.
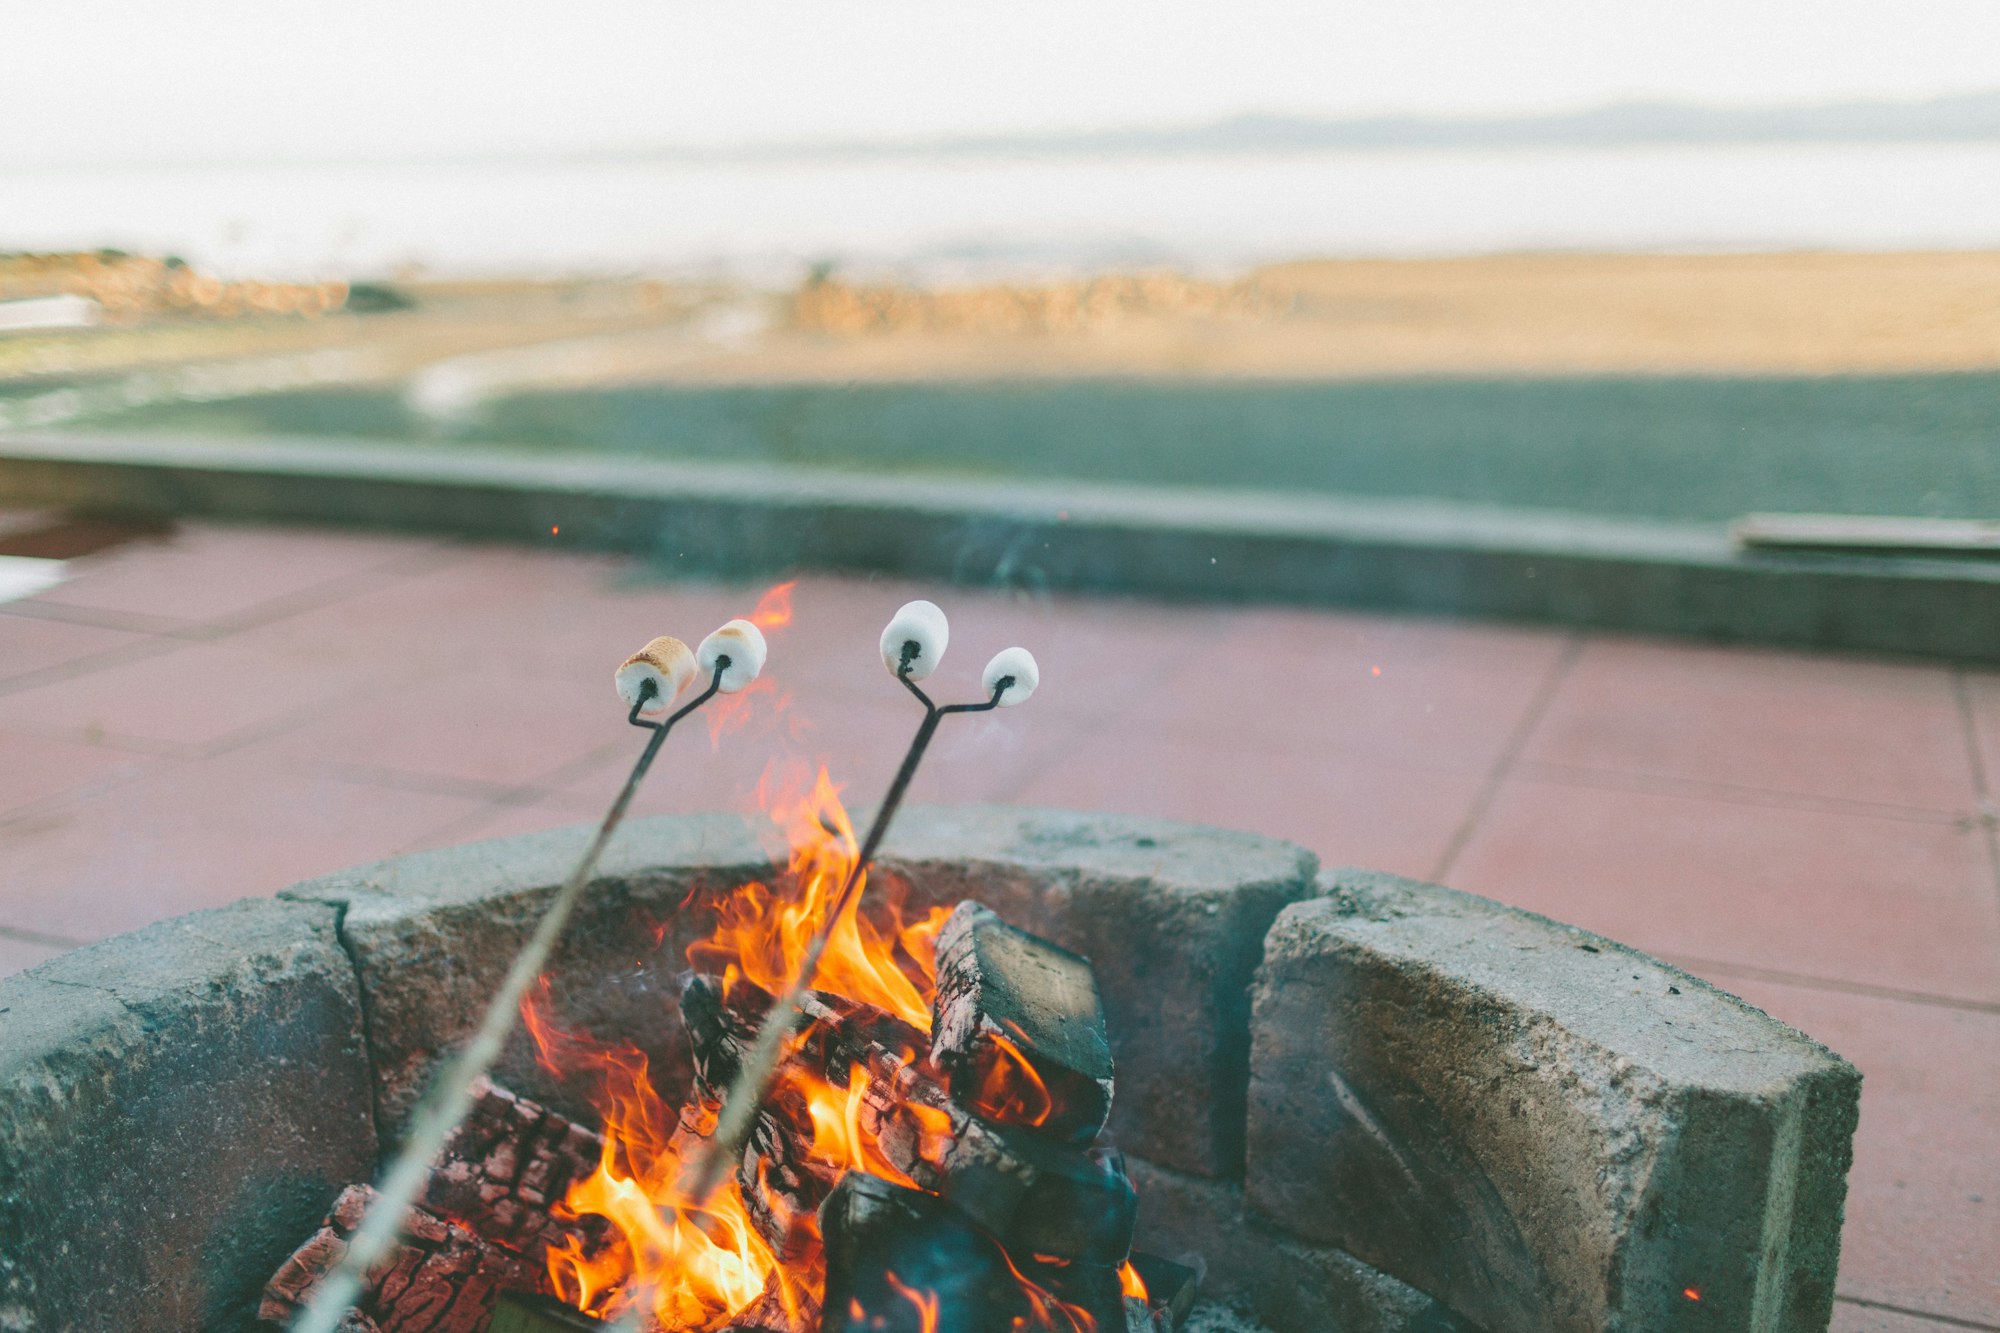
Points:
(667, 663)
(1018, 663)
(923, 624)
(743, 644)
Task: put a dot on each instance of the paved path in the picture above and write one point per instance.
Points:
(216, 712)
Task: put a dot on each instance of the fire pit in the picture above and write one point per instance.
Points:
(929, 1108)
(1353, 1102)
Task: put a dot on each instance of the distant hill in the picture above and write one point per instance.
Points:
(1967, 118)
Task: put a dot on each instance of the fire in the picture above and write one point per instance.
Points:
(696, 1268)
(1008, 1091)
(925, 1301)
(774, 608)
(763, 932)
(1130, 1282)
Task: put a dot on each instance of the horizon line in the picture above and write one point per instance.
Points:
(1635, 122)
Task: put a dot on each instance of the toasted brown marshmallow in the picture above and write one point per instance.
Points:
(667, 663)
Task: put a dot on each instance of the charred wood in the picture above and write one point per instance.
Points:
(440, 1278)
(899, 1260)
(1006, 999)
(509, 1162)
(1036, 1196)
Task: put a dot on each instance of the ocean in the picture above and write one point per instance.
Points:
(973, 216)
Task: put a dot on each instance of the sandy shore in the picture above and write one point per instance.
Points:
(1509, 315)
(1523, 315)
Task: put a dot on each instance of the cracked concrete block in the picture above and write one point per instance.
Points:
(1292, 1286)
(433, 934)
(178, 1106)
(1172, 917)
(1542, 1128)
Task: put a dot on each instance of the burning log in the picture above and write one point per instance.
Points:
(438, 1278)
(483, 1223)
(1037, 1197)
(1018, 1028)
(508, 1162)
(783, 1179)
(899, 1260)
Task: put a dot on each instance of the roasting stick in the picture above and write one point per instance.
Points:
(911, 647)
(649, 680)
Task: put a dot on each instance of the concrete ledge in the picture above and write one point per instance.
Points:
(178, 1106)
(433, 934)
(1173, 915)
(1666, 578)
(1542, 1128)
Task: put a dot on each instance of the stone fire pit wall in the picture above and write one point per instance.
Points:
(1369, 1104)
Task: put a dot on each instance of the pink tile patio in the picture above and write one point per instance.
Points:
(217, 712)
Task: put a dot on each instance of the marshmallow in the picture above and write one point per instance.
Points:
(743, 644)
(923, 624)
(1017, 663)
(667, 663)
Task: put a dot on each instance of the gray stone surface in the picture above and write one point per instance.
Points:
(1544, 1129)
(432, 936)
(1172, 917)
(1190, 544)
(1252, 1268)
(178, 1106)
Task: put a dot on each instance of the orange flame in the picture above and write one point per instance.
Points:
(1131, 1283)
(925, 1301)
(696, 1268)
(1007, 1089)
(764, 932)
(774, 608)
(1046, 1311)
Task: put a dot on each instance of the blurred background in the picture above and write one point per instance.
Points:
(1590, 413)
(483, 222)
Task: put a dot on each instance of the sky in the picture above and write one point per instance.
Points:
(90, 82)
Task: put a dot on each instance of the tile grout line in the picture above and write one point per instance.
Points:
(1708, 968)
(1510, 755)
(185, 634)
(1766, 798)
(1987, 817)
(1929, 1316)
(42, 937)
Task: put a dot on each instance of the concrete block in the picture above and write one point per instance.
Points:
(1542, 1128)
(1291, 1286)
(178, 1107)
(1172, 917)
(433, 934)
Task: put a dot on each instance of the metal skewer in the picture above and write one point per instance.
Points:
(451, 1096)
(733, 1123)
